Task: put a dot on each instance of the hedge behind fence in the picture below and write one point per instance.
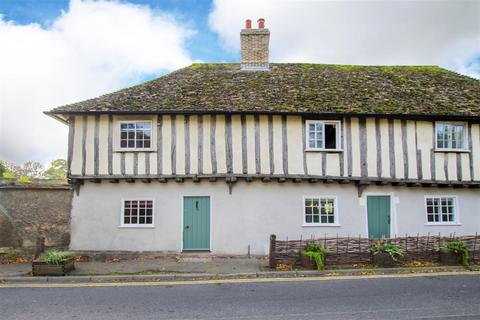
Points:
(351, 250)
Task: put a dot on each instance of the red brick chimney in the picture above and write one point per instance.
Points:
(254, 46)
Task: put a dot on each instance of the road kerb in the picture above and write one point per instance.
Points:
(230, 281)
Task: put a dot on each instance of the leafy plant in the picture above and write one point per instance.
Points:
(458, 247)
(393, 250)
(10, 255)
(57, 257)
(317, 253)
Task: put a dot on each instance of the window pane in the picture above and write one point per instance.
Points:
(315, 135)
(149, 220)
(315, 219)
(308, 218)
(131, 144)
(440, 209)
(123, 144)
(330, 136)
(450, 136)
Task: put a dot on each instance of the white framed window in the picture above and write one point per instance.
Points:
(323, 135)
(135, 135)
(137, 213)
(320, 211)
(441, 210)
(451, 136)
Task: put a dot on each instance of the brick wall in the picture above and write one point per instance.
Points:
(254, 48)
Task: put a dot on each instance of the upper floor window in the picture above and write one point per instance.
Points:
(441, 210)
(135, 135)
(451, 136)
(323, 135)
(320, 211)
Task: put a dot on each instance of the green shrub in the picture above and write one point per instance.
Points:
(10, 255)
(458, 247)
(317, 252)
(57, 257)
(382, 246)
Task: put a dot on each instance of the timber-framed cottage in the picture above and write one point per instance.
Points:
(216, 157)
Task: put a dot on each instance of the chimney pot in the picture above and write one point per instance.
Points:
(248, 24)
(261, 23)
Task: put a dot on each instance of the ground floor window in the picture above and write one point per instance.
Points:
(441, 209)
(320, 211)
(137, 213)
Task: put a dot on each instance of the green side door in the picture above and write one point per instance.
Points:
(196, 223)
(378, 208)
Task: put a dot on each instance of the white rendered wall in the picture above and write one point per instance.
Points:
(249, 215)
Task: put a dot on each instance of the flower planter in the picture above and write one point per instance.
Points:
(450, 258)
(42, 268)
(384, 260)
(307, 262)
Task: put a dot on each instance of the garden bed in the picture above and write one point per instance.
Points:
(43, 268)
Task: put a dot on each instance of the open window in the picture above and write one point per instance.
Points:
(323, 135)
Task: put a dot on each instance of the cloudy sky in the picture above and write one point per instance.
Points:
(55, 52)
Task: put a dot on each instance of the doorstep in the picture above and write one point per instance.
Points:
(195, 256)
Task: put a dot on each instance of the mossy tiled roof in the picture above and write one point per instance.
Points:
(302, 88)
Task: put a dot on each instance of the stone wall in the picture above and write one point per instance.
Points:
(30, 211)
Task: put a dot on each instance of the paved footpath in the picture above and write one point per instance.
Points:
(161, 265)
(454, 297)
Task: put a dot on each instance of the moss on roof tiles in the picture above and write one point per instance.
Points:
(291, 87)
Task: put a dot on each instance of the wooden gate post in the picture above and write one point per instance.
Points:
(40, 248)
(271, 254)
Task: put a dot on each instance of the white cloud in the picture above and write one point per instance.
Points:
(93, 48)
(445, 33)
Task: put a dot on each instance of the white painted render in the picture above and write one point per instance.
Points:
(419, 136)
(250, 214)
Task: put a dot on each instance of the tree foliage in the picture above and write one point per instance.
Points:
(57, 170)
(31, 170)
(2, 168)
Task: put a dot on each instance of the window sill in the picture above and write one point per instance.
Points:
(442, 224)
(136, 150)
(136, 226)
(324, 150)
(321, 225)
(452, 150)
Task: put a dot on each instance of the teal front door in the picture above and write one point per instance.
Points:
(378, 208)
(196, 223)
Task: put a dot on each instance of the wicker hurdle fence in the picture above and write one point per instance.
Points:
(356, 250)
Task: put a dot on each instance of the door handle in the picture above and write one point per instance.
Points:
(187, 227)
(388, 219)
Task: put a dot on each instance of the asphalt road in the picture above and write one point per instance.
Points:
(438, 297)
